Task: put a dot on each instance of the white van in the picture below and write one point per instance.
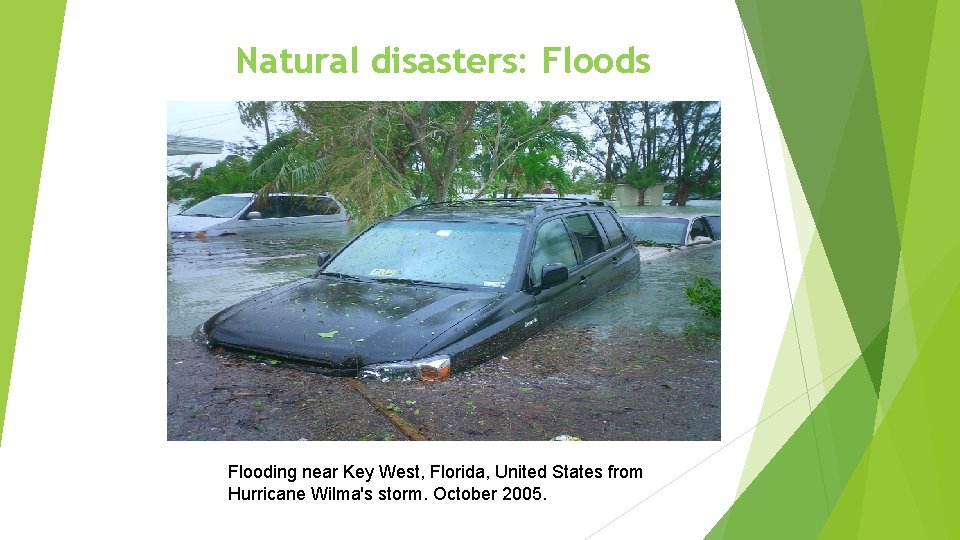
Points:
(242, 213)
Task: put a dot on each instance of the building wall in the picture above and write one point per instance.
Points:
(654, 195)
(627, 195)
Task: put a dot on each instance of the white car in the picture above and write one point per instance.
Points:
(659, 234)
(242, 213)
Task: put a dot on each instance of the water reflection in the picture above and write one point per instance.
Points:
(205, 276)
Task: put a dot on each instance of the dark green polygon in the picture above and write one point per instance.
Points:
(857, 224)
(793, 495)
(873, 356)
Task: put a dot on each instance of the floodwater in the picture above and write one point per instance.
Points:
(656, 301)
(206, 276)
(698, 206)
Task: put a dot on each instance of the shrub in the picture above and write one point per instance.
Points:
(704, 295)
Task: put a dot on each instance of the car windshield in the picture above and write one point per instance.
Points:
(221, 206)
(657, 230)
(464, 253)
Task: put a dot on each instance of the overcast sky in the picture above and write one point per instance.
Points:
(210, 120)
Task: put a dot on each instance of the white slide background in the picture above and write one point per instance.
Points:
(85, 446)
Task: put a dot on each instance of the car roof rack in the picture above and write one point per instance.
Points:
(543, 204)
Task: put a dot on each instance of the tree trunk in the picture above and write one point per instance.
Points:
(440, 171)
(680, 197)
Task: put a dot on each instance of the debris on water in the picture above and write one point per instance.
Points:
(566, 438)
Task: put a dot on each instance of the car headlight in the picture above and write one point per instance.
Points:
(200, 335)
(433, 368)
(180, 235)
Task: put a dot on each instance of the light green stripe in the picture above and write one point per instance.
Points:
(30, 33)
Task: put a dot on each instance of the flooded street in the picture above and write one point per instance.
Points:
(206, 276)
(638, 364)
(656, 301)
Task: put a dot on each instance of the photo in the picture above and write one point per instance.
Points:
(447, 270)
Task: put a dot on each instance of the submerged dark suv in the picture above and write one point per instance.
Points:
(438, 287)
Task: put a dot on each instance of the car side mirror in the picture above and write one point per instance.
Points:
(253, 215)
(553, 274)
(322, 258)
(698, 240)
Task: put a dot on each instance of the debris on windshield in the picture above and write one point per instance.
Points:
(330, 334)
(651, 243)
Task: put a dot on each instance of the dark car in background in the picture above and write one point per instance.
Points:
(437, 288)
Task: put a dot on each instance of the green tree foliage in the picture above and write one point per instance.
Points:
(291, 162)
(379, 156)
(230, 175)
(642, 143)
(256, 114)
(706, 296)
(520, 149)
(583, 181)
(697, 152)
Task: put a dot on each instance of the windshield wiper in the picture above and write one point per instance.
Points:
(345, 276)
(200, 215)
(407, 281)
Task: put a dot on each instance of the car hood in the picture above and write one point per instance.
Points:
(345, 324)
(180, 223)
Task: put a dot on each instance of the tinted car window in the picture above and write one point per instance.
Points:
(610, 225)
(714, 222)
(313, 206)
(436, 251)
(273, 206)
(698, 229)
(587, 235)
(551, 246)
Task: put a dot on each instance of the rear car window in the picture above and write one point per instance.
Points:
(614, 232)
(587, 235)
(714, 222)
